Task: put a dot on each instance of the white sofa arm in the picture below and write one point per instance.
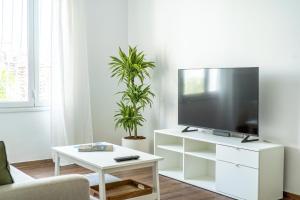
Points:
(68, 187)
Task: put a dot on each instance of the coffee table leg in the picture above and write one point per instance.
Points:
(155, 177)
(57, 165)
(102, 190)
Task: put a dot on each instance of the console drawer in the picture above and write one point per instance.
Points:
(237, 156)
(237, 181)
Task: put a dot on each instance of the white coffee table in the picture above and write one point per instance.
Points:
(104, 163)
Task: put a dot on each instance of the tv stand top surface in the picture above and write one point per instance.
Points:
(210, 138)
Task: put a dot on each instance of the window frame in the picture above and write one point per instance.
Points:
(33, 103)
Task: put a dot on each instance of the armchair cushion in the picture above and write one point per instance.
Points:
(5, 176)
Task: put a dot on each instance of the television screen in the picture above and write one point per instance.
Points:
(219, 98)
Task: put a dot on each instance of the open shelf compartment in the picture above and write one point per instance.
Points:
(200, 172)
(200, 149)
(168, 142)
(172, 165)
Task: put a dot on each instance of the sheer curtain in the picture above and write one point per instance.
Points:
(71, 121)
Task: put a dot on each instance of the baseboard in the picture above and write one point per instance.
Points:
(291, 196)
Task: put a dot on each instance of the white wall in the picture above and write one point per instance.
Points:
(265, 33)
(26, 135)
(106, 31)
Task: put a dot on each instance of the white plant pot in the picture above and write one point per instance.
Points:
(138, 144)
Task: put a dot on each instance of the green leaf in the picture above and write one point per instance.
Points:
(131, 70)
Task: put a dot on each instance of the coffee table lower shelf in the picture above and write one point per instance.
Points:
(125, 189)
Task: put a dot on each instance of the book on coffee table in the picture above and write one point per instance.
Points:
(95, 147)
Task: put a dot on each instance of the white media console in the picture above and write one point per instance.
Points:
(247, 171)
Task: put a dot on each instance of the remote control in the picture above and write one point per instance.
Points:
(126, 158)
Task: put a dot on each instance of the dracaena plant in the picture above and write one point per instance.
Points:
(132, 70)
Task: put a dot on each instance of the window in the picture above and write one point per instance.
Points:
(25, 53)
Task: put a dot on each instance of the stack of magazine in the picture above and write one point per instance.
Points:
(99, 146)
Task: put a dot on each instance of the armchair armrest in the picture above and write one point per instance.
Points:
(68, 187)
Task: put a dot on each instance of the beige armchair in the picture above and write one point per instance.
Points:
(68, 187)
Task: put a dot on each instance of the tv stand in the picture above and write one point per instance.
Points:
(246, 139)
(187, 129)
(243, 171)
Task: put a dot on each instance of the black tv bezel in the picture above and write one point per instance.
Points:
(210, 128)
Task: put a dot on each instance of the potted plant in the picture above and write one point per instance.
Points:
(132, 70)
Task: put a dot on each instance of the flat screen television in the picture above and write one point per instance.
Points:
(225, 99)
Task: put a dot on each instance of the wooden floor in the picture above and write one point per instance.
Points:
(170, 189)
